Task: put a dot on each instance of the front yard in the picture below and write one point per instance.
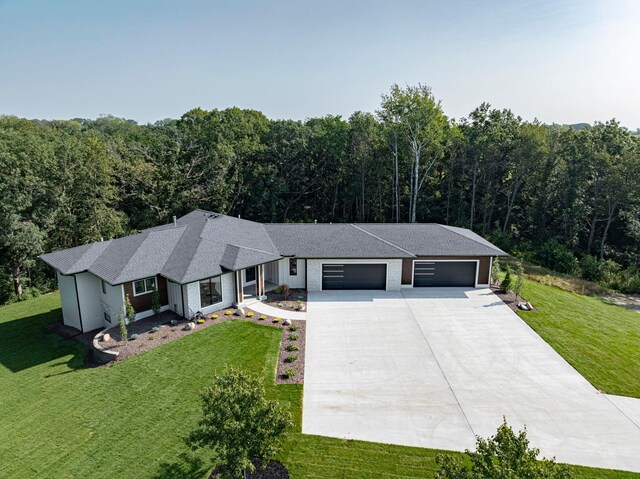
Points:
(62, 420)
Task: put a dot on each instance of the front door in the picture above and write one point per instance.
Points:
(250, 275)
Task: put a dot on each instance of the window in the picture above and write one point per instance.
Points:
(143, 286)
(293, 267)
(250, 275)
(104, 288)
(210, 291)
(107, 317)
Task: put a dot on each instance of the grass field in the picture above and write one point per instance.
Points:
(600, 340)
(59, 419)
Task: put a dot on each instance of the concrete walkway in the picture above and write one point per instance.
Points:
(433, 367)
(261, 308)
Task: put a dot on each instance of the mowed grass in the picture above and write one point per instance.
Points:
(59, 419)
(600, 340)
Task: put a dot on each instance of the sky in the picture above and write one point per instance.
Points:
(559, 61)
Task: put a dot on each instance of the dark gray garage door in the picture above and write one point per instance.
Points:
(354, 276)
(444, 273)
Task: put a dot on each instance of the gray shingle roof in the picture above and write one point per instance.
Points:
(204, 244)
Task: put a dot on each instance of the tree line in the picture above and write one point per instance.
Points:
(563, 197)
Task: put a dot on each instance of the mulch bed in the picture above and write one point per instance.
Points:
(290, 303)
(510, 299)
(274, 470)
(165, 332)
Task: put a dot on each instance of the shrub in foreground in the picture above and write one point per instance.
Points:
(505, 455)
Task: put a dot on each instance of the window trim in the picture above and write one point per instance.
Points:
(210, 281)
(104, 286)
(144, 282)
(293, 262)
(107, 317)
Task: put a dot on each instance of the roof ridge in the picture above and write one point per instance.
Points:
(381, 239)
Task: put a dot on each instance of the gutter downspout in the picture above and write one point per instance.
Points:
(182, 296)
(75, 281)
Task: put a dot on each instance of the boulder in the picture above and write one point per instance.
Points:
(523, 306)
(239, 312)
(190, 326)
(287, 322)
(105, 337)
(301, 307)
(529, 306)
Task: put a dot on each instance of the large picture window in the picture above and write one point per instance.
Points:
(143, 286)
(210, 291)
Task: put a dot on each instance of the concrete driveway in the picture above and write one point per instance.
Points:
(433, 367)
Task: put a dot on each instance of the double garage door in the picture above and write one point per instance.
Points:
(444, 273)
(354, 276)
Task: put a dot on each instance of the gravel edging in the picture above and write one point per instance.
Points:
(166, 332)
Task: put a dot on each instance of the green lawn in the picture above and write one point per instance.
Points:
(600, 340)
(58, 419)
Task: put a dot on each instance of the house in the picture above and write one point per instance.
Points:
(207, 261)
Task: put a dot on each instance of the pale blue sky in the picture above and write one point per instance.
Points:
(560, 60)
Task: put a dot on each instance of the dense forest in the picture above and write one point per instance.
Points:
(563, 197)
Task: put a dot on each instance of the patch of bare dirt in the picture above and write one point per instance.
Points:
(629, 301)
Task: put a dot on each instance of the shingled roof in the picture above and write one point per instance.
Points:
(202, 244)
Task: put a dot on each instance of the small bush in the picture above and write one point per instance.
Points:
(174, 322)
(262, 318)
(294, 327)
(292, 347)
(151, 337)
(278, 289)
(294, 337)
(228, 312)
(507, 283)
(166, 336)
(200, 321)
(275, 320)
(591, 268)
(250, 314)
(286, 292)
(155, 329)
(290, 358)
(214, 316)
(133, 337)
(558, 257)
(173, 329)
(289, 373)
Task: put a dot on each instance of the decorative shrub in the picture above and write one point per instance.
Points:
(507, 283)
(292, 347)
(294, 327)
(286, 292)
(262, 318)
(174, 322)
(289, 373)
(155, 329)
(275, 320)
(214, 316)
(228, 312)
(278, 289)
(173, 329)
(290, 358)
(151, 338)
(133, 337)
(250, 314)
(294, 337)
(200, 321)
(166, 336)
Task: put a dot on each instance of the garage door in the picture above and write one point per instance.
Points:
(354, 276)
(444, 273)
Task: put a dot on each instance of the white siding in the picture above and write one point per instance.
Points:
(89, 292)
(314, 270)
(192, 296)
(175, 297)
(297, 281)
(112, 303)
(69, 300)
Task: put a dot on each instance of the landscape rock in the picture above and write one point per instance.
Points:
(239, 312)
(190, 326)
(105, 337)
(529, 306)
(523, 306)
(287, 322)
(301, 307)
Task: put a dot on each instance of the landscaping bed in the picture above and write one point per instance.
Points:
(510, 299)
(295, 301)
(147, 333)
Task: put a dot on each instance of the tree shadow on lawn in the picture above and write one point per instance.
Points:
(186, 466)
(26, 342)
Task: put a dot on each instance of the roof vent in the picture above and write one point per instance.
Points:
(315, 222)
(175, 221)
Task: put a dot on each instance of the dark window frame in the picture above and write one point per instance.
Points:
(293, 266)
(148, 288)
(211, 296)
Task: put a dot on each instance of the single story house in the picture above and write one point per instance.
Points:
(207, 261)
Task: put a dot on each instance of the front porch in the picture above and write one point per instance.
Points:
(252, 284)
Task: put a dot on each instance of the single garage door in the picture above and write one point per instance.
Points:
(444, 273)
(354, 276)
